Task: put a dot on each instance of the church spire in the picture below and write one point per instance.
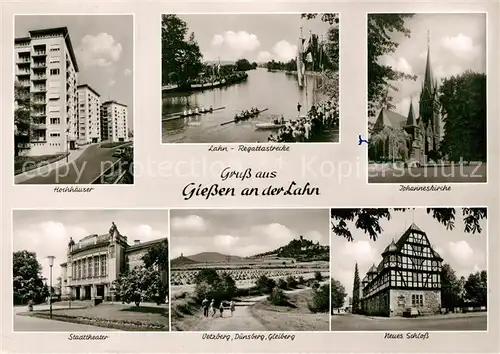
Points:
(428, 79)
(410, 121)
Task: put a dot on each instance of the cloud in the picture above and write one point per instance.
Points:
(192, 223)
(145, 233)
(274, 231)
(111, 82)
(127, 72)
(100, 50)
(461, 251)
(362, 251)
(400, 64)
(232, 45)
(225, 241)
(314, 236)
(48, 238)
(264, 57)
(461, 46)
(285, 51)
(441, 72)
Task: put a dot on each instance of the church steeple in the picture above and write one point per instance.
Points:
(410, 121)
(428, 79)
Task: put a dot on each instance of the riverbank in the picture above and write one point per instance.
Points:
(201, 86)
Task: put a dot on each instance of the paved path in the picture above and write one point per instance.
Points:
(459, 322)
(242, 319)
(430, 174)
(83, 170)
(34, 324)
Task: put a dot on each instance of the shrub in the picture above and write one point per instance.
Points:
(320, 301)
(278, 297)
(264, 284)
(315, 285)
(292, 282)
(301, 280)
(282, 284)
(318, 276)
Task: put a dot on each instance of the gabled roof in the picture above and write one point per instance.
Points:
(410, 121)
(387, 118)
(391, 247)
(373, 269)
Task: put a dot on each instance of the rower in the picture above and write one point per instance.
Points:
(185, 113)
(211, 108)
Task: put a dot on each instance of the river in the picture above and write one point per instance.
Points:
(276, 91)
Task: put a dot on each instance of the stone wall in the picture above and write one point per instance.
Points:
(401, 300)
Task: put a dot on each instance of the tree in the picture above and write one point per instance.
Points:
(463, 105)
(338, 294)
(356, 288)
(157, 256)
(278, 297)
(27, 278)
(328, 56)
(208, 284)
(141, 284)
(181, 58)
(22, 116)
(368, 220)
(264, 284)
(476, 288)
(320, 301)
(243, 65)
(380, 76)
(450, 289)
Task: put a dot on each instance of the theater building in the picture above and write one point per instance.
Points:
(408, 277)
(96, 261)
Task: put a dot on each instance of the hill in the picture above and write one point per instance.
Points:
(214, 257)
(180, 261)
(301, 250)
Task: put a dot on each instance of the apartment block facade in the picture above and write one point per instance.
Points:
(114, 121)
(89, 115)
(47, 70)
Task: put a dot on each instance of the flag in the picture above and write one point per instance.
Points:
(300, 64)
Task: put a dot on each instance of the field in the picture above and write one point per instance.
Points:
(246, 273)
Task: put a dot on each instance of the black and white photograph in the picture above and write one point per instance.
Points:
(73, 99)
(250, 78)
(250, 270)
(90, 270)
(427, 98)
(409, 269)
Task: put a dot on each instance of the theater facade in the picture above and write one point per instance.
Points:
(407, 279)
(96, 261)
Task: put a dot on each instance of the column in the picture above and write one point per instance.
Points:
(82, 292)
(94, 291)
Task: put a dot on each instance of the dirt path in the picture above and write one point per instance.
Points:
(242, 319)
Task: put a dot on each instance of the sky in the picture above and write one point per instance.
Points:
(104, 50)
(244, 232)
(47, 232)
(466, 253)
(457, 41)
(256, 37)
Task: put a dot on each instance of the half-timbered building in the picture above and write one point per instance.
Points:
(408, 278)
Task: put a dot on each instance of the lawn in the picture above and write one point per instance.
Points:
(296, 317)
(124, 317)
(27, 163)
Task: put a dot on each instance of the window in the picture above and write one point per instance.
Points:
(417, 300)
(54, 135)
(96, 266)
(103, 265)
(54, 72)
(90, 263)
(55, 120)
(84, 268)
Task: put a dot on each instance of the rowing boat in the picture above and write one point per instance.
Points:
(191, 113)
(269, 125)
(235, 120)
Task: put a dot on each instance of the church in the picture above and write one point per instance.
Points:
(408, 277)
(95, 262)
(423, 133)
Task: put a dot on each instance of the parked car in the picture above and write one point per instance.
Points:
(118, 152)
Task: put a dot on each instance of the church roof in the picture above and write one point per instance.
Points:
(387, 118)
(410, 121)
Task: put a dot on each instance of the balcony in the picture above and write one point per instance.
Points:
(39, 114)
(23, 60)
(39, 126)
(39, 65)
(25, 83)
(39, 53)
(38, 103)
(39, 89)
(23, 73)
(40, 77)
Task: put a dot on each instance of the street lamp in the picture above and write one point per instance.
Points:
(51, 263)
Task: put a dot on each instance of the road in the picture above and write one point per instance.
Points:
(439, 174)
(33, 324)
(242, 319)
(458, 322)
(93, 161)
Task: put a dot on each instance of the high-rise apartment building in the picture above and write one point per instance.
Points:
(114, 121)
(89, 116)
(46, 67)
